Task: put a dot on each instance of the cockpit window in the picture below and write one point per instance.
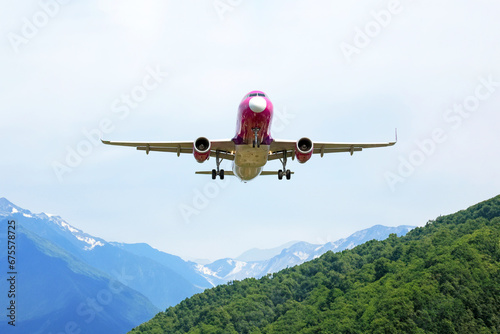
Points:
(255, 94)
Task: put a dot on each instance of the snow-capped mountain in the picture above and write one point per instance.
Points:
(51, 227)
(300, 252)
(163, 278)
(67, 265)
(54, 288)
(256, 254)
(377, 232)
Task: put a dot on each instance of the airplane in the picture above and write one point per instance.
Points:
(252, 146)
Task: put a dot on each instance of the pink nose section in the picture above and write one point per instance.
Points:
(257, 104)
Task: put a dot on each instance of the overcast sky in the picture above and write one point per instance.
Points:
(72, 71)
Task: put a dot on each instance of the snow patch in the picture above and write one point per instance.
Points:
(27, 215)
(70, 228)
(237, 268)
(301, 255)
(91, 241)
(14, 210)
(206, 271)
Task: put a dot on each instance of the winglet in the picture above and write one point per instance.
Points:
(396, 135)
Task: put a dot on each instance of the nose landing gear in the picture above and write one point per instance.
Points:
(256, 141)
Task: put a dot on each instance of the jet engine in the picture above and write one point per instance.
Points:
(201, 149)
(303, 149)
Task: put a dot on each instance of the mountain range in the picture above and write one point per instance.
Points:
(295, 254)
(55, 292)
(70, 280)
(443, 277)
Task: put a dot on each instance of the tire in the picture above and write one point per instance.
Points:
(221, 174)
(280, 175)
(288, 174)
(214, 174)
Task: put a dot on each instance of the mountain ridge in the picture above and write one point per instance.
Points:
(261, 254)
(90, 249)
(298, 252)
(156, 280)
(440, 278)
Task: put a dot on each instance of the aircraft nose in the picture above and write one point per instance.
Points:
(257, 104)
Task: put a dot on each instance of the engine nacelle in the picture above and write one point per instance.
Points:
(304, 149)
(201, 149)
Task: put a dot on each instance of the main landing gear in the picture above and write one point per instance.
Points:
(219, 172)
(256, 141)
(285, 171)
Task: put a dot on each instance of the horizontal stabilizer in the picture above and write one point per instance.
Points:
(229, 173)
(272, 173)
(226, 173)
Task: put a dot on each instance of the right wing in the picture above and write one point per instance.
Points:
(279, 147)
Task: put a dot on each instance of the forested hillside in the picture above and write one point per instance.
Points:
(441, 278)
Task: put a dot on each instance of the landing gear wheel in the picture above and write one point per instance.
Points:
(254, 143)
(288, 174)
(221, 174)
(280, 175)
(214, 174)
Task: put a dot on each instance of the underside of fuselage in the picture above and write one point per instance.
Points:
(249, 161)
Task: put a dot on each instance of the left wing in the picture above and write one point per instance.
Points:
(279, 147)
(225, 147)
